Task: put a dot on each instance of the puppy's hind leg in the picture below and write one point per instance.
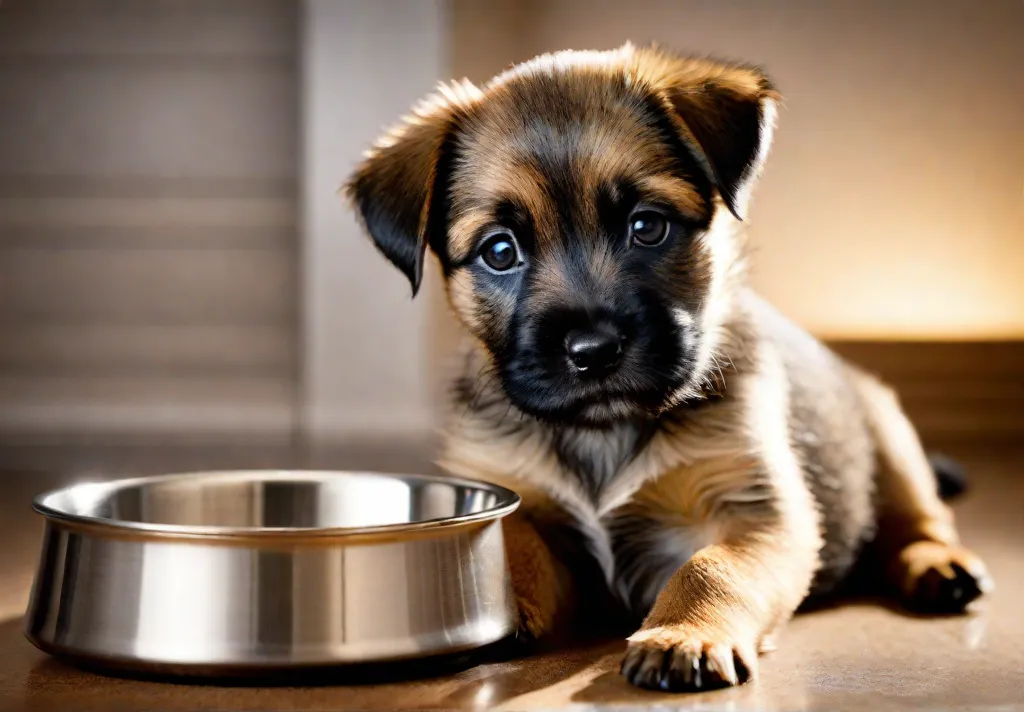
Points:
(917, 537)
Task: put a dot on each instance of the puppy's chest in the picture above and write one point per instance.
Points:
(641, 542)
(595, 459)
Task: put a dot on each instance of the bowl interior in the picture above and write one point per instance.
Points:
(277, 500)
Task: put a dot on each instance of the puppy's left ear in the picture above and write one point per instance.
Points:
(726, 115)
(398, 191)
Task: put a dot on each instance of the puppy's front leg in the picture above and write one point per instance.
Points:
(710, 619)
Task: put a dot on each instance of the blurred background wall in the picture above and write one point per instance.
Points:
(175, 263)
(149, 157)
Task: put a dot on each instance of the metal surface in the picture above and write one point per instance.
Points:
(203, 573)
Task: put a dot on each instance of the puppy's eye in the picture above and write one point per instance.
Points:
(648, 228)
(499, 252)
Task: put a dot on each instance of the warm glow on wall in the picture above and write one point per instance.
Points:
(908, 311)
(907, 241)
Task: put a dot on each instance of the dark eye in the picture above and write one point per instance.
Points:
(499, 252)
(648, 228)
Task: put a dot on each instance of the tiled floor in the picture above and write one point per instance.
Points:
(858, 656)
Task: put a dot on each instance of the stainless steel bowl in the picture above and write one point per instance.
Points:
(212, 573)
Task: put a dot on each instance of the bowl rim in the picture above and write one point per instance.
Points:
(508, 502)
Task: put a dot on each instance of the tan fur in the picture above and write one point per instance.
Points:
(464, 232)
(462, 299)
(516, 180)
(751, 485)
(675, 192)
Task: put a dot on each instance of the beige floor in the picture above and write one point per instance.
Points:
(859, 656)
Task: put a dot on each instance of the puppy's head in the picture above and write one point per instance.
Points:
(582, 206)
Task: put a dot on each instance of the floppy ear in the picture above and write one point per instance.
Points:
(399, 187)
(724, 113)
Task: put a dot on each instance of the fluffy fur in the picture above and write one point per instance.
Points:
(727, 465)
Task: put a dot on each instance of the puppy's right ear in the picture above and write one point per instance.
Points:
(397, 190)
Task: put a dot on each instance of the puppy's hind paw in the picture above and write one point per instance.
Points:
(940, 579)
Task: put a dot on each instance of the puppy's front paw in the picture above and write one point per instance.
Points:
(938, 578)
(686, 659)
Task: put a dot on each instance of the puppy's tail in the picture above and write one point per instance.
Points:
(949, 474)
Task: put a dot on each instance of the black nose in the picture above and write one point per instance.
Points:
(594, 351)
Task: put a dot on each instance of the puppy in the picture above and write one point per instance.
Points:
(684, 453)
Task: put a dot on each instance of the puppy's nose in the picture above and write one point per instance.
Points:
(594, 351)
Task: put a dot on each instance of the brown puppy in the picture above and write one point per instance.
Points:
(683, 451)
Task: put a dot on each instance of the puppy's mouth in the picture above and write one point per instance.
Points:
(593, 405)
(596, 413)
